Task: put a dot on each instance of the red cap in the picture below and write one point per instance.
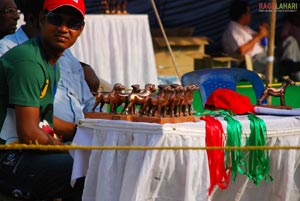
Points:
(51, 5)
(227, 99)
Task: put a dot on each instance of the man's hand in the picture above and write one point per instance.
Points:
(263, 30)
(28, 129)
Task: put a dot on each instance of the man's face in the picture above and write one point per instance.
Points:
(9, 16)
(247, 16)
(61, 28)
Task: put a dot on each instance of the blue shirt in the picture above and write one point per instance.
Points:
(73, 97)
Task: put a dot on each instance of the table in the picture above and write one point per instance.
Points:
(213, 62)
(119, 48)
(185, 49)
(177, 175)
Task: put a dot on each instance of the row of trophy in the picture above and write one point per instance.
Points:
(113, 7)
(168, 100)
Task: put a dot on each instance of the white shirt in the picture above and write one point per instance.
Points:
(237, 35)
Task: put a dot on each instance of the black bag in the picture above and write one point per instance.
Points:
(9, 180)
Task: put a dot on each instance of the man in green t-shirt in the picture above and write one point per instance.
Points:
(28, 79)
(27, 82)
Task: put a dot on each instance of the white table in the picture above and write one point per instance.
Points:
(119, 48)
(177, 175)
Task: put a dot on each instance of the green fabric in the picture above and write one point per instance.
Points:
(235, 159)
(253, 163)
(259, 161)
(23, 74)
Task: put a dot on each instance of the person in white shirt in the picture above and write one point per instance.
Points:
(9, 16)
(290, 36)
(239, 39)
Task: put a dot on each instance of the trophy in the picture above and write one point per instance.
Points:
(110, 7)
(104, 7)
(123, 7)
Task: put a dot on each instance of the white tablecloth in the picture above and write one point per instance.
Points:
(177, 175)
(119, 48)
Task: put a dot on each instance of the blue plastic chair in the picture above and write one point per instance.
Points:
(211, 79)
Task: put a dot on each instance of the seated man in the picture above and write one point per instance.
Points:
(290, 58)
(73, 97)
(9, 16)
(240, 39)
(29, 75)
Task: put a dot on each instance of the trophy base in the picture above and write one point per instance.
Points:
(138, 118)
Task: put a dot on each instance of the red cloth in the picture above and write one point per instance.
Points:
(228, 99)
(215, 136)
(51, 5)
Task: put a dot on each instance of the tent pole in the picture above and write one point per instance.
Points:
(270, 58)
(167, 41)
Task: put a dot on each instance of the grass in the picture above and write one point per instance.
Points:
(292, 96)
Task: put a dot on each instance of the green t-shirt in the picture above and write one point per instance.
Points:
(27, 79)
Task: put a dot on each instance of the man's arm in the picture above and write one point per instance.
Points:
(29, 132)
(263, 32)
(64, 128)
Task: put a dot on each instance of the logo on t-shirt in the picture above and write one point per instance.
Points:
(44, 91)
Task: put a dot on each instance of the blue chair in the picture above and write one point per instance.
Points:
(211, 79)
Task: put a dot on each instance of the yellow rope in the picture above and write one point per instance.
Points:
(141, 148)
(241, 86)
(271, 85)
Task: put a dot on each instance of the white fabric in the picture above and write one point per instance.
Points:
(275, 111)
(178, 175)
(9, 130)
(81, 158)
(119, 48)
(237, 35)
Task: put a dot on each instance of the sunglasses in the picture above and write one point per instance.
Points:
(58, 20)
(11, 11)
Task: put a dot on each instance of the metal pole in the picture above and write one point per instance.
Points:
(167, 41)
(270, 58)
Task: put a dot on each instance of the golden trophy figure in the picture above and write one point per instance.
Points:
(118, 7)
(104, 7)
(123, 7)
(112, 7)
